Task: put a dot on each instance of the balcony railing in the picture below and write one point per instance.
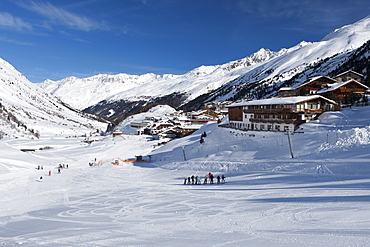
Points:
(273, 120)
(282, 110)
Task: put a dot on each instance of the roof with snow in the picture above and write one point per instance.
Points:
(337, 85)
(282, 101)
(286, 88)
(314, 79)
(349, 71)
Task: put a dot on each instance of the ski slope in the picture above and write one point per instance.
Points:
(318, 198)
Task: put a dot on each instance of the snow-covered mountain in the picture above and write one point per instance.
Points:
(27, 110)
(85, 92)
(220, 82)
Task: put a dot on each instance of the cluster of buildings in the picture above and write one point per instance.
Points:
(299, 104)
(296, 105)
(176, 125)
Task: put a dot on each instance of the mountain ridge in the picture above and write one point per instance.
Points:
(26, 110)
(262, 69)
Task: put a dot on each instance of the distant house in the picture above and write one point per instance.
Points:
(204, 114)
(278, 114)
(139, 124)
(117, 133)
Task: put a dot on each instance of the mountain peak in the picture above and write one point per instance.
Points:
(356, 29)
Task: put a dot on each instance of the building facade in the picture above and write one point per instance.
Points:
(278, 114)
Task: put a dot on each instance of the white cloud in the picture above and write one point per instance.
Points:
(13, 41)
(12, 22)
(64, 17)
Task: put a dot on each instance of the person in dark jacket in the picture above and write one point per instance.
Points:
(211, 178)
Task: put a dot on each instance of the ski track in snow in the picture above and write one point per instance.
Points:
(319, 198)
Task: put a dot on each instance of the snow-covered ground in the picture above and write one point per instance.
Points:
(318, 198)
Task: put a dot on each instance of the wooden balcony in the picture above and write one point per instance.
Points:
(314, 111)
(284, 110)
(273, 120)
(267, 111)
(351, 90)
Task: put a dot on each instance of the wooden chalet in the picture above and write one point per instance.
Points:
(313, 85)
(278, 114)
(204, 114)
(346, 92)
(310, 87)
(349, 75)
(345, 88)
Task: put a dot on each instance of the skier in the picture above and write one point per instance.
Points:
(223, 178)
(196, 179)
(188, 180)
(59, 170)
(185, 179)
(205, 179)
(201, 140)
(218, 179)
(192, 179)
(49, 173)
(211, 178)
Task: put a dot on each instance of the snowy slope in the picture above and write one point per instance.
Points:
(27, 110)
(262, 66)
(318, 198)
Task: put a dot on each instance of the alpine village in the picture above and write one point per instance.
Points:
(294, 106)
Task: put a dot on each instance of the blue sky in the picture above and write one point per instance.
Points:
(53, 39)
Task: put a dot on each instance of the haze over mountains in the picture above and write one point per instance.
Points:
(256, 76)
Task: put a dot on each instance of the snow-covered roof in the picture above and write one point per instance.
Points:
(314, 79)
(281, 101)
(286, 88)
(183, 118)
(337, 85)
(349, 71)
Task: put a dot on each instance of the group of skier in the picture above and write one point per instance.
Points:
(60, 167)
(207, 178)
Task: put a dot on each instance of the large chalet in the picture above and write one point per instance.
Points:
(344, 88)
(278, 114)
